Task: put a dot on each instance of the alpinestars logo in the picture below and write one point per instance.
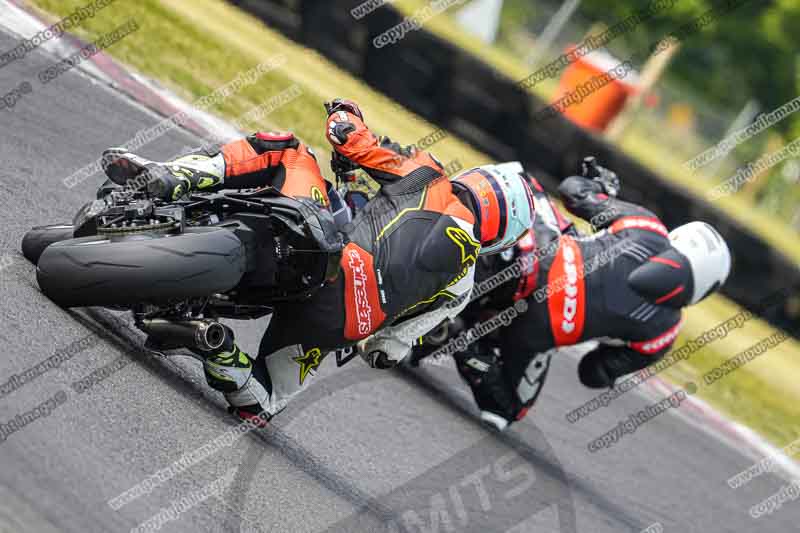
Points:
(363, 309)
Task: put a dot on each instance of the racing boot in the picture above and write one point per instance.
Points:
(483, 372)
(228, 370)
(200, 171)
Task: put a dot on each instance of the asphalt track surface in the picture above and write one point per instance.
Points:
(361, 450)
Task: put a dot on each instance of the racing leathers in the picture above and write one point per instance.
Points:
(577, 289)
(409, 250)
(412, 248)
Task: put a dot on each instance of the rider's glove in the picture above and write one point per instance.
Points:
(378, 359)
(608, 179)
(339, 123)
(382, 353)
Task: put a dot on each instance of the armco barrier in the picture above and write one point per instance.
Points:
(456, 91)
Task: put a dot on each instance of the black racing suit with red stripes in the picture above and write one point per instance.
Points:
(577, 290)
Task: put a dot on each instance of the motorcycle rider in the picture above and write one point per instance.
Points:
(410, 249)
(624, 286)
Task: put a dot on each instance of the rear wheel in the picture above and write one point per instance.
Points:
(147, 268)
(39, 238)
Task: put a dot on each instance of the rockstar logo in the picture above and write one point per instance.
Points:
(308, 362)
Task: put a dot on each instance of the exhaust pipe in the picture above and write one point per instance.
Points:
(204, 335)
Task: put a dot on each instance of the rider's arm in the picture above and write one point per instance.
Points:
(613, 359)
(396, 341)
(384, 162)
(603, 366)
(587, 199)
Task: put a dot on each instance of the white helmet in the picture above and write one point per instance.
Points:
(707, 254)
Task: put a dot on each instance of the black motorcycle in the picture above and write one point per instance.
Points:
(180, 266)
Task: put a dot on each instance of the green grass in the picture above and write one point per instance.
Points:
(195, 46)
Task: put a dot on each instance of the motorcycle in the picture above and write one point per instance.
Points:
(181, 266)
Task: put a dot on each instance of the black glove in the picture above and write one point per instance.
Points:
(608, 179)
(378, 359)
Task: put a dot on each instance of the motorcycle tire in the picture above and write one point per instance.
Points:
(147, 268)
(39, 238)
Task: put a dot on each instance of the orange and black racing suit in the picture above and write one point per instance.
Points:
(412, 248)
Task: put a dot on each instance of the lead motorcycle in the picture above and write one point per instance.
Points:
(181, 266)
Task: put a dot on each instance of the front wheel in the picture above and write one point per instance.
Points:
(39, 238)
(147, 268)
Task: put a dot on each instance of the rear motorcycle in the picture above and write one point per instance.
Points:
(181, 266)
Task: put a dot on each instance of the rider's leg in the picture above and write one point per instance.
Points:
(601, 367)
(229, 369)
(505, 384)
(258, 390)
(200, 170)
(261, 159)
(297, 340)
